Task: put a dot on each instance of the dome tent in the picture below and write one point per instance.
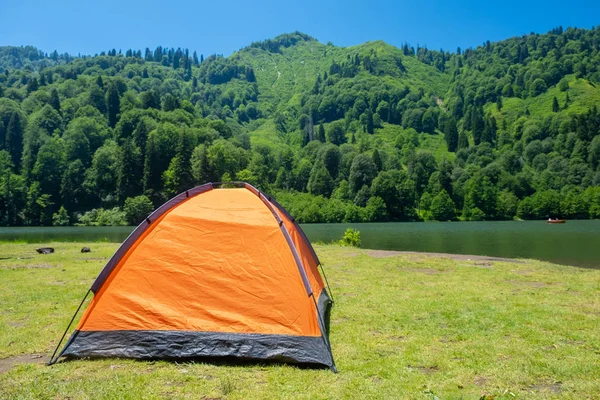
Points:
(217, 271)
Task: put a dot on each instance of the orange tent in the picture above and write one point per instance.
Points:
(214, 272)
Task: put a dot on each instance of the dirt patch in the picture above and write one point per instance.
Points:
(7, 363)
(462, 257)
(554, 388)
(33, 266)
(424, 370)
(340, 320)
(533, 284)
(426, 271)
(523, 272)
(16, 324)
(480, 381)
(483, 264)
(397, 338)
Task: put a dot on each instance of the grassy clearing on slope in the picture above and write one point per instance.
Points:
(403, 326)
(582, 96)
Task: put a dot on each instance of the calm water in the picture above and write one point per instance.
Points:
(574, 243)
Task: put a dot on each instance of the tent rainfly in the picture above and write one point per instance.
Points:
(221, 270)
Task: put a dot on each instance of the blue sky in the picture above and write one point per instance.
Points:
(88, 27)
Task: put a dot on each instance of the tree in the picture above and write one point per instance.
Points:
(137, 209)
(72, 190)
(152, 170)
(377, 160)
(103, 175)
(336, 134)
(563, 85)
(463, 141)
(48, 168)
(61, 218)
(200, 167)
(130, 174)
(369, 125)
(397, 191)
(113, 105)
(150, 99)
(362, 172)
(477, 124)
(331, 157)
(32, 85)
(555, 106)
(429, 121)
(320, 182)
(489, 130)
(54, 99)
(538, 87)
(320, 134)
(376, 210)
(451, 134)
(178, 177)
(14, 139)
(442, 207)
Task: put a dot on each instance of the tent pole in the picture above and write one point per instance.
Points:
(52, 359)
(327, 283)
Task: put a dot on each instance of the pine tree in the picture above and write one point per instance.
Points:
(2, 135)
(14, 139)
(463, 141)
(477, 124)
(152, 179)
(32, 85)
(321, 134)
(369, 123)
(489, 130)
(377, 160)
(100, 82)
(113, 105)
(54, 99)
(555, 106)
(129, 179)
(178, 177)
(499, 103)
(566, 102)
(451, 134)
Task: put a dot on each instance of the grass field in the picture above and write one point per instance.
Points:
(403, 326)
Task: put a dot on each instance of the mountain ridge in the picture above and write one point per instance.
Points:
(369, 132)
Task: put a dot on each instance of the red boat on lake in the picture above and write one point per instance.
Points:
(556, 221)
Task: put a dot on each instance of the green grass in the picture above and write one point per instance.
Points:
(582, 96)
(403, 326)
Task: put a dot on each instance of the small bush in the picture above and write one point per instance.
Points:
(61, 218)
(102, 217)
(351, 238)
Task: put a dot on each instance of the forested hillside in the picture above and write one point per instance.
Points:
(366, 133)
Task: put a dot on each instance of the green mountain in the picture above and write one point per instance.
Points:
(363, 133)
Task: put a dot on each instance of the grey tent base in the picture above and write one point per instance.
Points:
(174, 345)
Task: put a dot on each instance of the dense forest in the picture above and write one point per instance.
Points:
(366, 133)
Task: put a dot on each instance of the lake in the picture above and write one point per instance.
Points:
(574, 243)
